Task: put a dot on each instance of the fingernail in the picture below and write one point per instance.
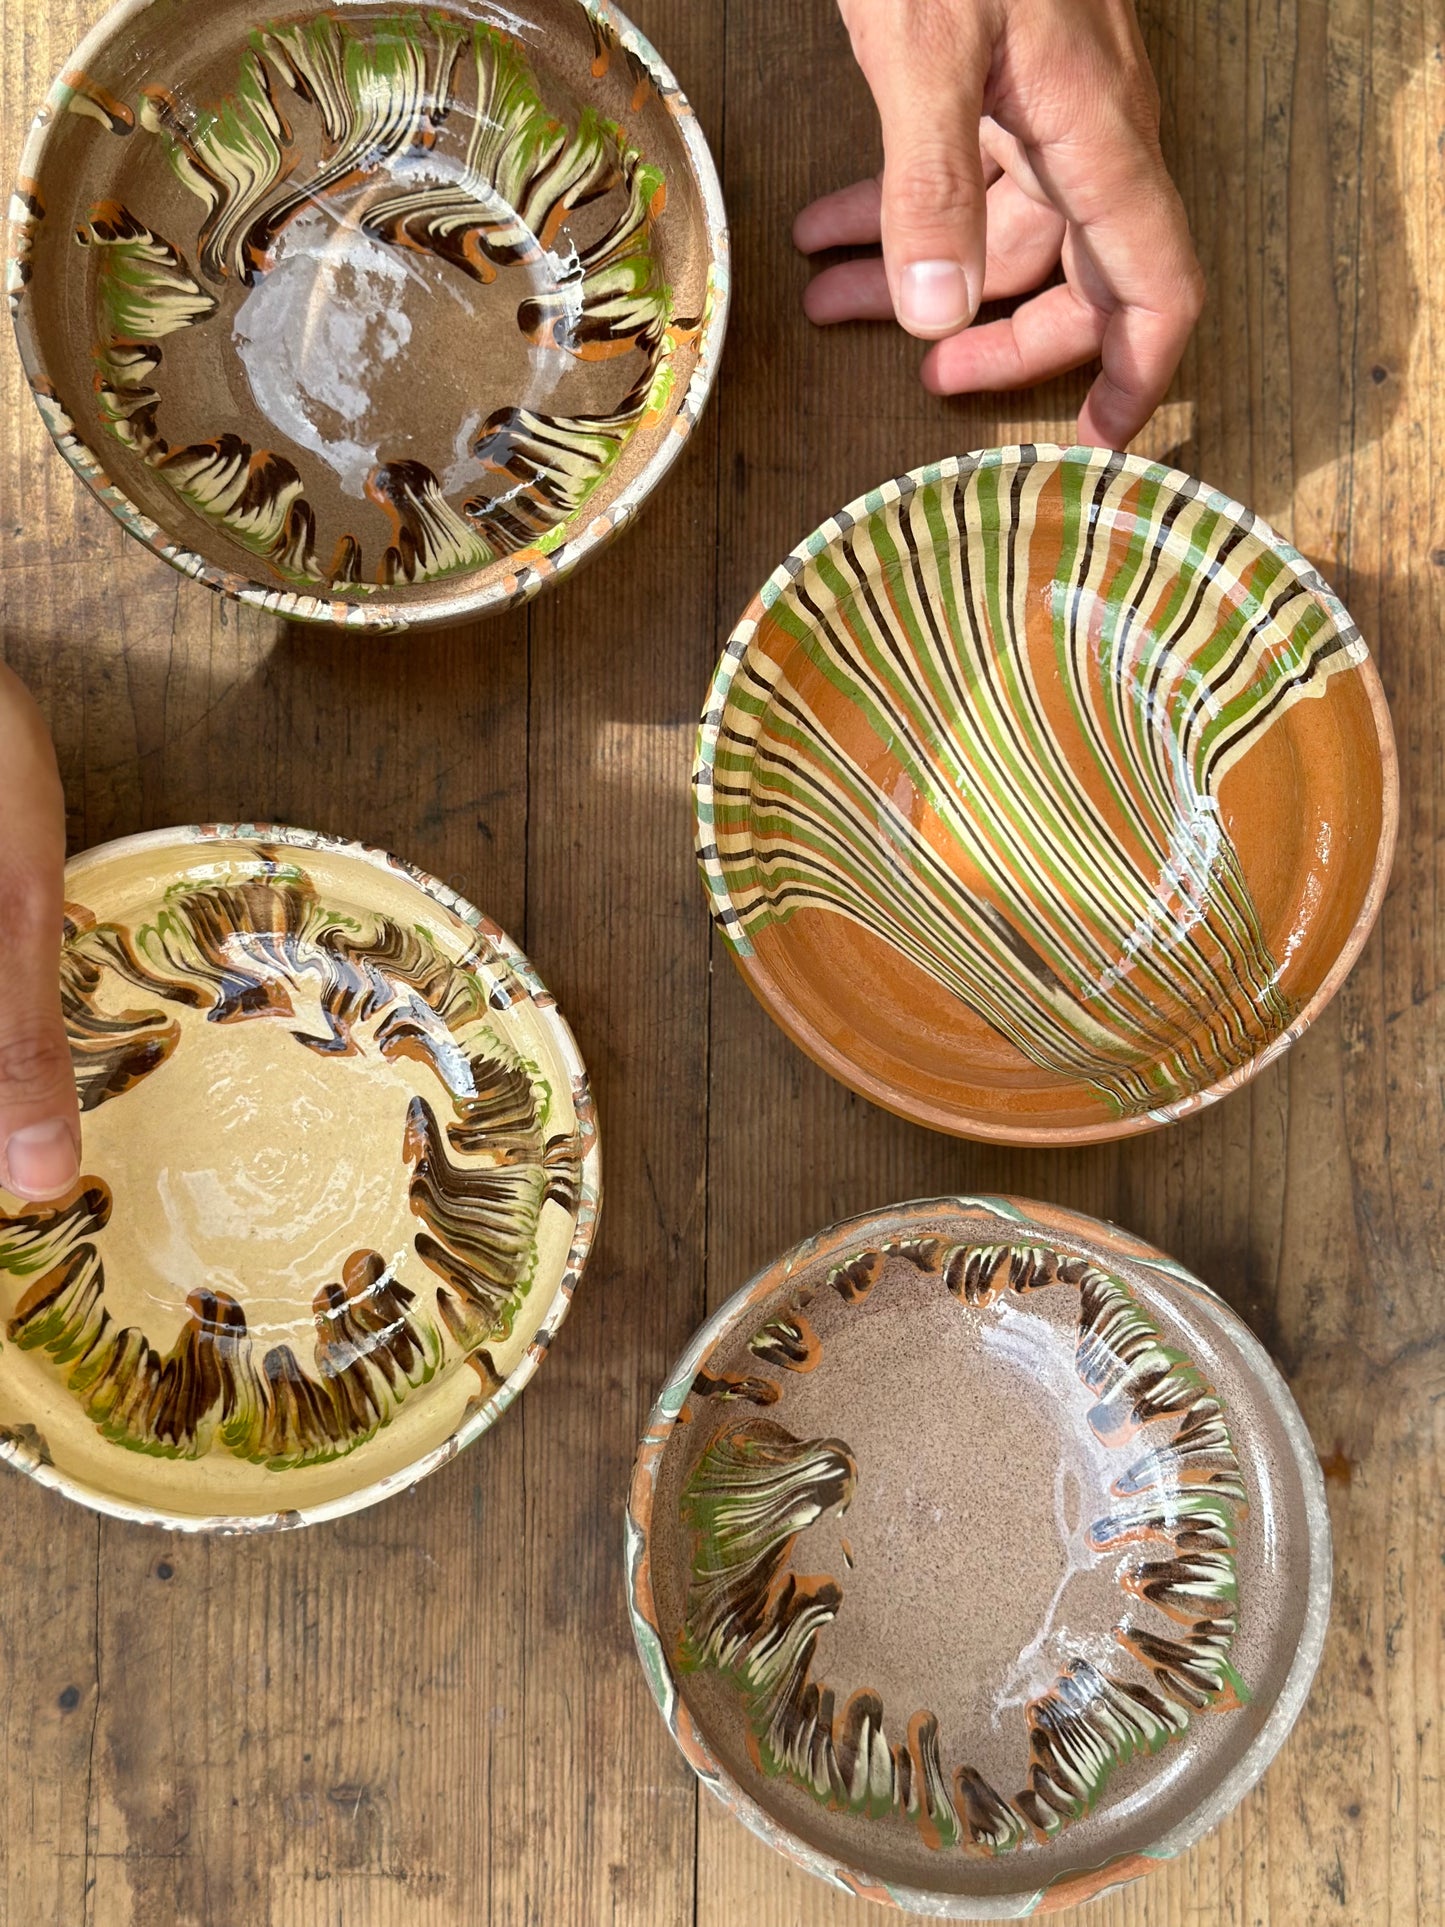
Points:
(40, 1159)
(934, 297)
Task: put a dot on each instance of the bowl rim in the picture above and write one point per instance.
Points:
(512, 960)
(1067, 1889)
(384, 613)
(763, 983)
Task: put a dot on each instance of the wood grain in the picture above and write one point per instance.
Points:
(430, 1716)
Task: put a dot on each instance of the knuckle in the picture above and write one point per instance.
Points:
(1180, 283)
(922, 186)
(34, 1062)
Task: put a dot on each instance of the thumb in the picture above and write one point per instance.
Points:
(927, 67)
(39, 1116)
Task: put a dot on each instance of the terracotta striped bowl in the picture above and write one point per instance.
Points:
(371, 314)
(978, 1557)
(1045, 795)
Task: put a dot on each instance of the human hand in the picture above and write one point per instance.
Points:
(39, 1116)
(1016, 134)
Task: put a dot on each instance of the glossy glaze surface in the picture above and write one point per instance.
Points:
(978, 1548)
(339, 1179)
(386, 312)
(1045, 794)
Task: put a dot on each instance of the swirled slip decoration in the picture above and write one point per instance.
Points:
(338, 1184)
(335, 307)
(977, 1556)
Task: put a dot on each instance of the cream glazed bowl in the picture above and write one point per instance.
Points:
(977, 1557)
(339, 1180)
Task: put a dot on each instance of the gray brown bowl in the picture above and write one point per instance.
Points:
(376, 315)
(978, 1557)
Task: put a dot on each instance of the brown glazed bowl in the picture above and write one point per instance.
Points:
(339, 1180)
(370, 313)
(1045, 795)
(978, 1557)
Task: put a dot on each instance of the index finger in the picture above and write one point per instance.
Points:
(1133, 260)
(39, 1113)
(1140, 351)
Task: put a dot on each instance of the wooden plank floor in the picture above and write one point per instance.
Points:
(430, 1715)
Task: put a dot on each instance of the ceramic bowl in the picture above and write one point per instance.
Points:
(372, 314)
(338, 1184)
(978, 1557)
(1044, 795)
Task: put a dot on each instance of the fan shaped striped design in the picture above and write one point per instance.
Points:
(986, 714)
